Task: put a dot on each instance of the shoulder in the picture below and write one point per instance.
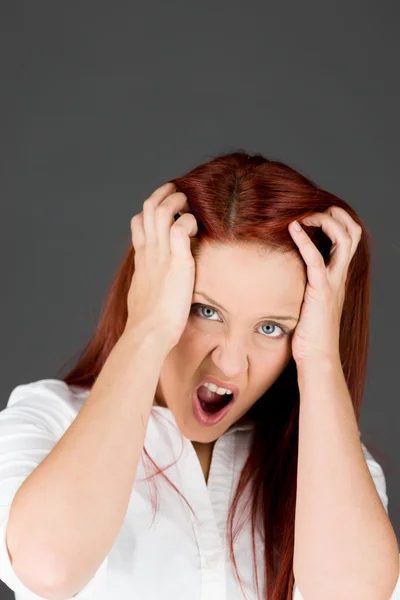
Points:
(47, 403)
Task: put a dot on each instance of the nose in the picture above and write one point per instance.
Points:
(231, 358)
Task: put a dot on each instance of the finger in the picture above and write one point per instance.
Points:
(161, 193)
(149, 222)
(352, 228)
(183, 231)
(316, 271)
(164, 217)
(341, 240)
(149, 207)
(138, 236)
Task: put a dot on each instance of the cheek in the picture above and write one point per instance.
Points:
(196, 339)
(183, 359)
(267, 371)
(279, 363)
(197, 328)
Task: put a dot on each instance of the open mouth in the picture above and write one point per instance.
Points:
(210, 407)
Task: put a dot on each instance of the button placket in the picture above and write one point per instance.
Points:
(205, 526)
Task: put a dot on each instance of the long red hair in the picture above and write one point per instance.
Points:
(241, 197)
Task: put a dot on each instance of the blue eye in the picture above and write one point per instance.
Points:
(198, 306)
(275, 325)
(201, 306)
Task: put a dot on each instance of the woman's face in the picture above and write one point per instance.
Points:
(229, 334)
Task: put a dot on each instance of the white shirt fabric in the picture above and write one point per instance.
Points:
(173, 558)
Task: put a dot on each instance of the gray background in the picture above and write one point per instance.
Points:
(103, 102)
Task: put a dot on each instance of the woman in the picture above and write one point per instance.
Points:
(230, 357)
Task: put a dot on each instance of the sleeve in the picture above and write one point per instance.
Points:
(378, 476)
(380, 483)
(36, 416)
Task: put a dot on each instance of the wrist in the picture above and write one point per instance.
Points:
(311, 366)
(147, 338)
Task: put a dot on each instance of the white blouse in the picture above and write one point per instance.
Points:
(176, 557)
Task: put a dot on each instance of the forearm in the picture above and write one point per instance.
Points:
(345, 546)
(67, 513)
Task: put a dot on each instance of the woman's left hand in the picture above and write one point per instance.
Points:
(318, 330)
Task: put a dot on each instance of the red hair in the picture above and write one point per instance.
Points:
(237, 197)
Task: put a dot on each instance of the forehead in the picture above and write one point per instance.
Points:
(243, 274)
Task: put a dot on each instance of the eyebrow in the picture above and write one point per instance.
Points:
(281, 317)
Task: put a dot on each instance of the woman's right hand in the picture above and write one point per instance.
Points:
(160, 295)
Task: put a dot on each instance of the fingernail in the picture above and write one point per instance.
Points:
(296, 226)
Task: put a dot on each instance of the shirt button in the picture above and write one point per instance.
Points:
(212, 561)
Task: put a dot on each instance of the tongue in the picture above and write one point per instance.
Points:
(212, 399)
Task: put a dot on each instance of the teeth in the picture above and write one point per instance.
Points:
(219, 390)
